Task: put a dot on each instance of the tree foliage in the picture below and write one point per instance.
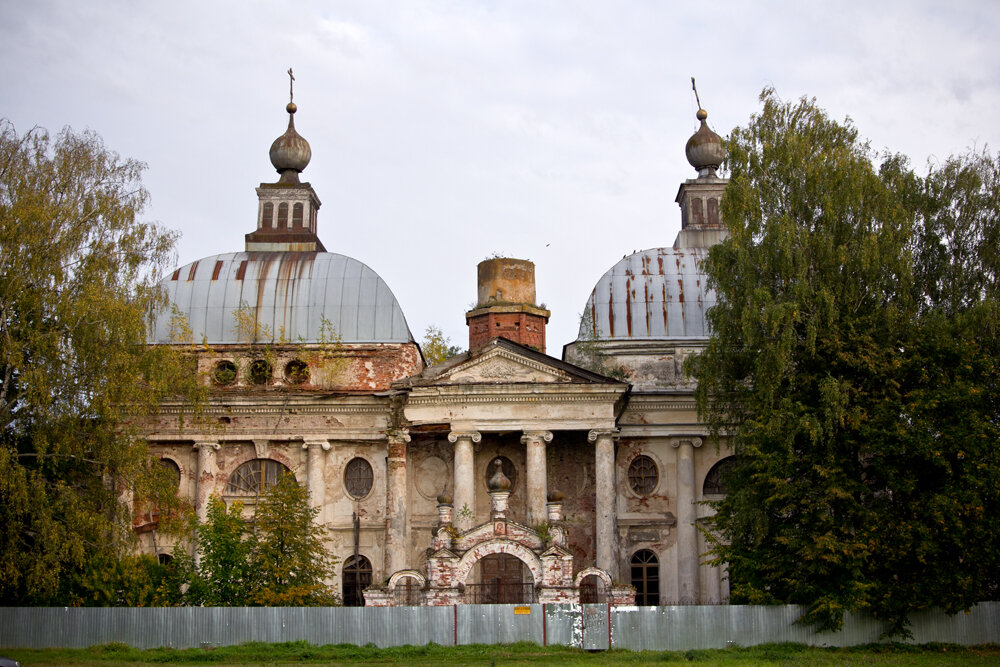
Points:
(278, 559)
(77, 283)
(853, 369)
(437, 347)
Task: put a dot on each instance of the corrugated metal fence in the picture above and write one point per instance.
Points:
(591, 626)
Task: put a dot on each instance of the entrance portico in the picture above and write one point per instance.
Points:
(507, 401)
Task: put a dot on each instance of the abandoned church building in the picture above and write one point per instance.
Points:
(503, 474)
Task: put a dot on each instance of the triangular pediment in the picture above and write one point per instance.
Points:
(501, 362)
(503, 366)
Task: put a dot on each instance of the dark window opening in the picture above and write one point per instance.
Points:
(646, 577)
(716, 479)
(297, 371)
(356, 578)
(297, 215)
(282, 216)
(268, 216)
(260, 371)
(224, 373)
(173, 469)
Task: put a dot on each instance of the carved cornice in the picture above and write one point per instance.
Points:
(273, 409)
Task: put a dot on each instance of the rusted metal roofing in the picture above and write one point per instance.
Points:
(658, 293)
(290, 294)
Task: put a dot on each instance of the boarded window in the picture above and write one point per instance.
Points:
(267, 217)
(297, 215)
(282, 216)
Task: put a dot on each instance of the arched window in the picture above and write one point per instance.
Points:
(715, 480)
(254, 477)
(358, 478)
(173, 469)
(643, 475)
(356, 578)
(268, 216)
(297, 215)
(282, 215)
(646, 577)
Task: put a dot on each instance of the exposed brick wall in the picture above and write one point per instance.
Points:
(523, 328)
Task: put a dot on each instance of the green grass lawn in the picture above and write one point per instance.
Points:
(295, 653)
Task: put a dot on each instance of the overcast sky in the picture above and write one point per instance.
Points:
(445, 132)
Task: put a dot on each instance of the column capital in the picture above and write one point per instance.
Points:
(206, 444)
(596, 433)
(396, 436)
(694, 441)
(474, 436)
(545, 436)
(317, 444)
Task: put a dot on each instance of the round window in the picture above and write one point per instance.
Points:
(260, 371)
(297, 371)
(642, 475)
(358, 478)
(224, 373)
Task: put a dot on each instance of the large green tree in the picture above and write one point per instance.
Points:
(276, 560)
(854, 370)
(77, 284)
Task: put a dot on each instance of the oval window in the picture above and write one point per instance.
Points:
(358, 478)
(642, 475)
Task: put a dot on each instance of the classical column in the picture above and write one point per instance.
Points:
(687, 531)
(606, 528)
(396, 542)
(465, 477)
(314, 473)
(536, 474)
(204, 477)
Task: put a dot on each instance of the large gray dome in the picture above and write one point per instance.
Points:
(291, 294)
(659, 293)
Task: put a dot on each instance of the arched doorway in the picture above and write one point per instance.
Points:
(645, 568)
(356, 578)
(592, 590)
(500, 579)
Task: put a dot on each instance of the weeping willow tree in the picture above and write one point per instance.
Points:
(77, 285)
(854, 368)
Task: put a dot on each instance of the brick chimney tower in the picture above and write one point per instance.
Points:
(506, 305)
